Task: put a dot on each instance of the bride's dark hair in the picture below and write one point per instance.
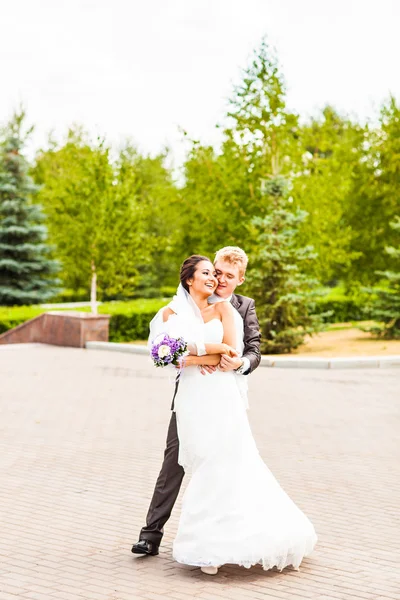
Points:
(188, 268)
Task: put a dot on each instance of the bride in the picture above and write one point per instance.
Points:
(233, 510)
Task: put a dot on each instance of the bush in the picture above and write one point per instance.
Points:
(80, 295)
(130, 320)
(343, 308)
(168, 291)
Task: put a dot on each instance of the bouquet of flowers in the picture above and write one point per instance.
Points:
(166, 350)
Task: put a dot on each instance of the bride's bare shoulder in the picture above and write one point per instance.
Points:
(167, 312)
(223, 308)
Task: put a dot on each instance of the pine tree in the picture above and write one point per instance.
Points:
(267, 136)
(261, 124)
(386, 307)
(26, 269)
(285, 296)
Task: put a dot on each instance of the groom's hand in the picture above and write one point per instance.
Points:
(207, 369)
(229, 363)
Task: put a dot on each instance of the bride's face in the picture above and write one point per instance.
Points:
(203, 281)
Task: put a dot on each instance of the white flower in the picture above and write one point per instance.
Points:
(164, 351)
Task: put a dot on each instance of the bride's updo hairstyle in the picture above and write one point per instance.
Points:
(188, 268)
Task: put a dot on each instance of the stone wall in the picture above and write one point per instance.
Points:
(61, 328)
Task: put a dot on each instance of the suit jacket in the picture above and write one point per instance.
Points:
(252, 335)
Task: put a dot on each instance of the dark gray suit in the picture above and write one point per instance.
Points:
(170, 478)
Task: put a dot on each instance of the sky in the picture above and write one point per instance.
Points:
(148, 69)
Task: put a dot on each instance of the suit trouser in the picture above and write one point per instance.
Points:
(167, 488)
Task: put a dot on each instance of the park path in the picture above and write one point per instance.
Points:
(81, 440)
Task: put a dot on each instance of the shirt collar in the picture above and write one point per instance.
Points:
(214, 298)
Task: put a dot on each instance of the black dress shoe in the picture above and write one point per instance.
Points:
(145, 547)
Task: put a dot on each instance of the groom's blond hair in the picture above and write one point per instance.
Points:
(235, 256)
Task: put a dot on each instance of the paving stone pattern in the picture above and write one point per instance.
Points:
(81, 439)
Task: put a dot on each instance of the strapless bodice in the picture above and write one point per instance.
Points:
(213, 331)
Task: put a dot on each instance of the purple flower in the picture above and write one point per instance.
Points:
(167, 350)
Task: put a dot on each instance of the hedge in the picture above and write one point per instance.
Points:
(130, 320)
(343, 308)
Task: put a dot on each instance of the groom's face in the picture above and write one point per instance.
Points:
(228, 277)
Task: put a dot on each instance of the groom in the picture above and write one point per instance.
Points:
(230, 266)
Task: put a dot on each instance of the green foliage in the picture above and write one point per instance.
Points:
(130, 320)
(126, 326)
(344, 175)
(261, 126)
(385, 307)
(331, 152)
(92, 221)
(149, 185)
(217, 202)
(339, 307)
(222, 191)
(121, 213)
(113, 218)
(375, 198)
(65, 295)
(13, 316)
(26, 268)
(285, 296)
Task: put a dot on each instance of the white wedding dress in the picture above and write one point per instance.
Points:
(233, 509)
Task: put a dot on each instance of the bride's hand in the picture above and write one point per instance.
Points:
(229, 350)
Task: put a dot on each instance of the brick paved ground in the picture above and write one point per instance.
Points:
(81, 440)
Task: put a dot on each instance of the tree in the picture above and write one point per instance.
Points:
(112, 216)
(26, 267)
(331, 149)
(265, 136)
(148, 183)
(216, 200)
(261, 125)
(386, 305)
(222, 189)
(285, 296)
(374, 199)
(93, 221)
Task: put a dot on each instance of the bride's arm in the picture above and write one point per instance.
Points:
(211, 358)
(207, 359)
(228, 322)
(158, 325)
(225, 311)
(229, 340)
(221, 348)
(192, 347)
(167, 312)
(227, 346)
(214, 351)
